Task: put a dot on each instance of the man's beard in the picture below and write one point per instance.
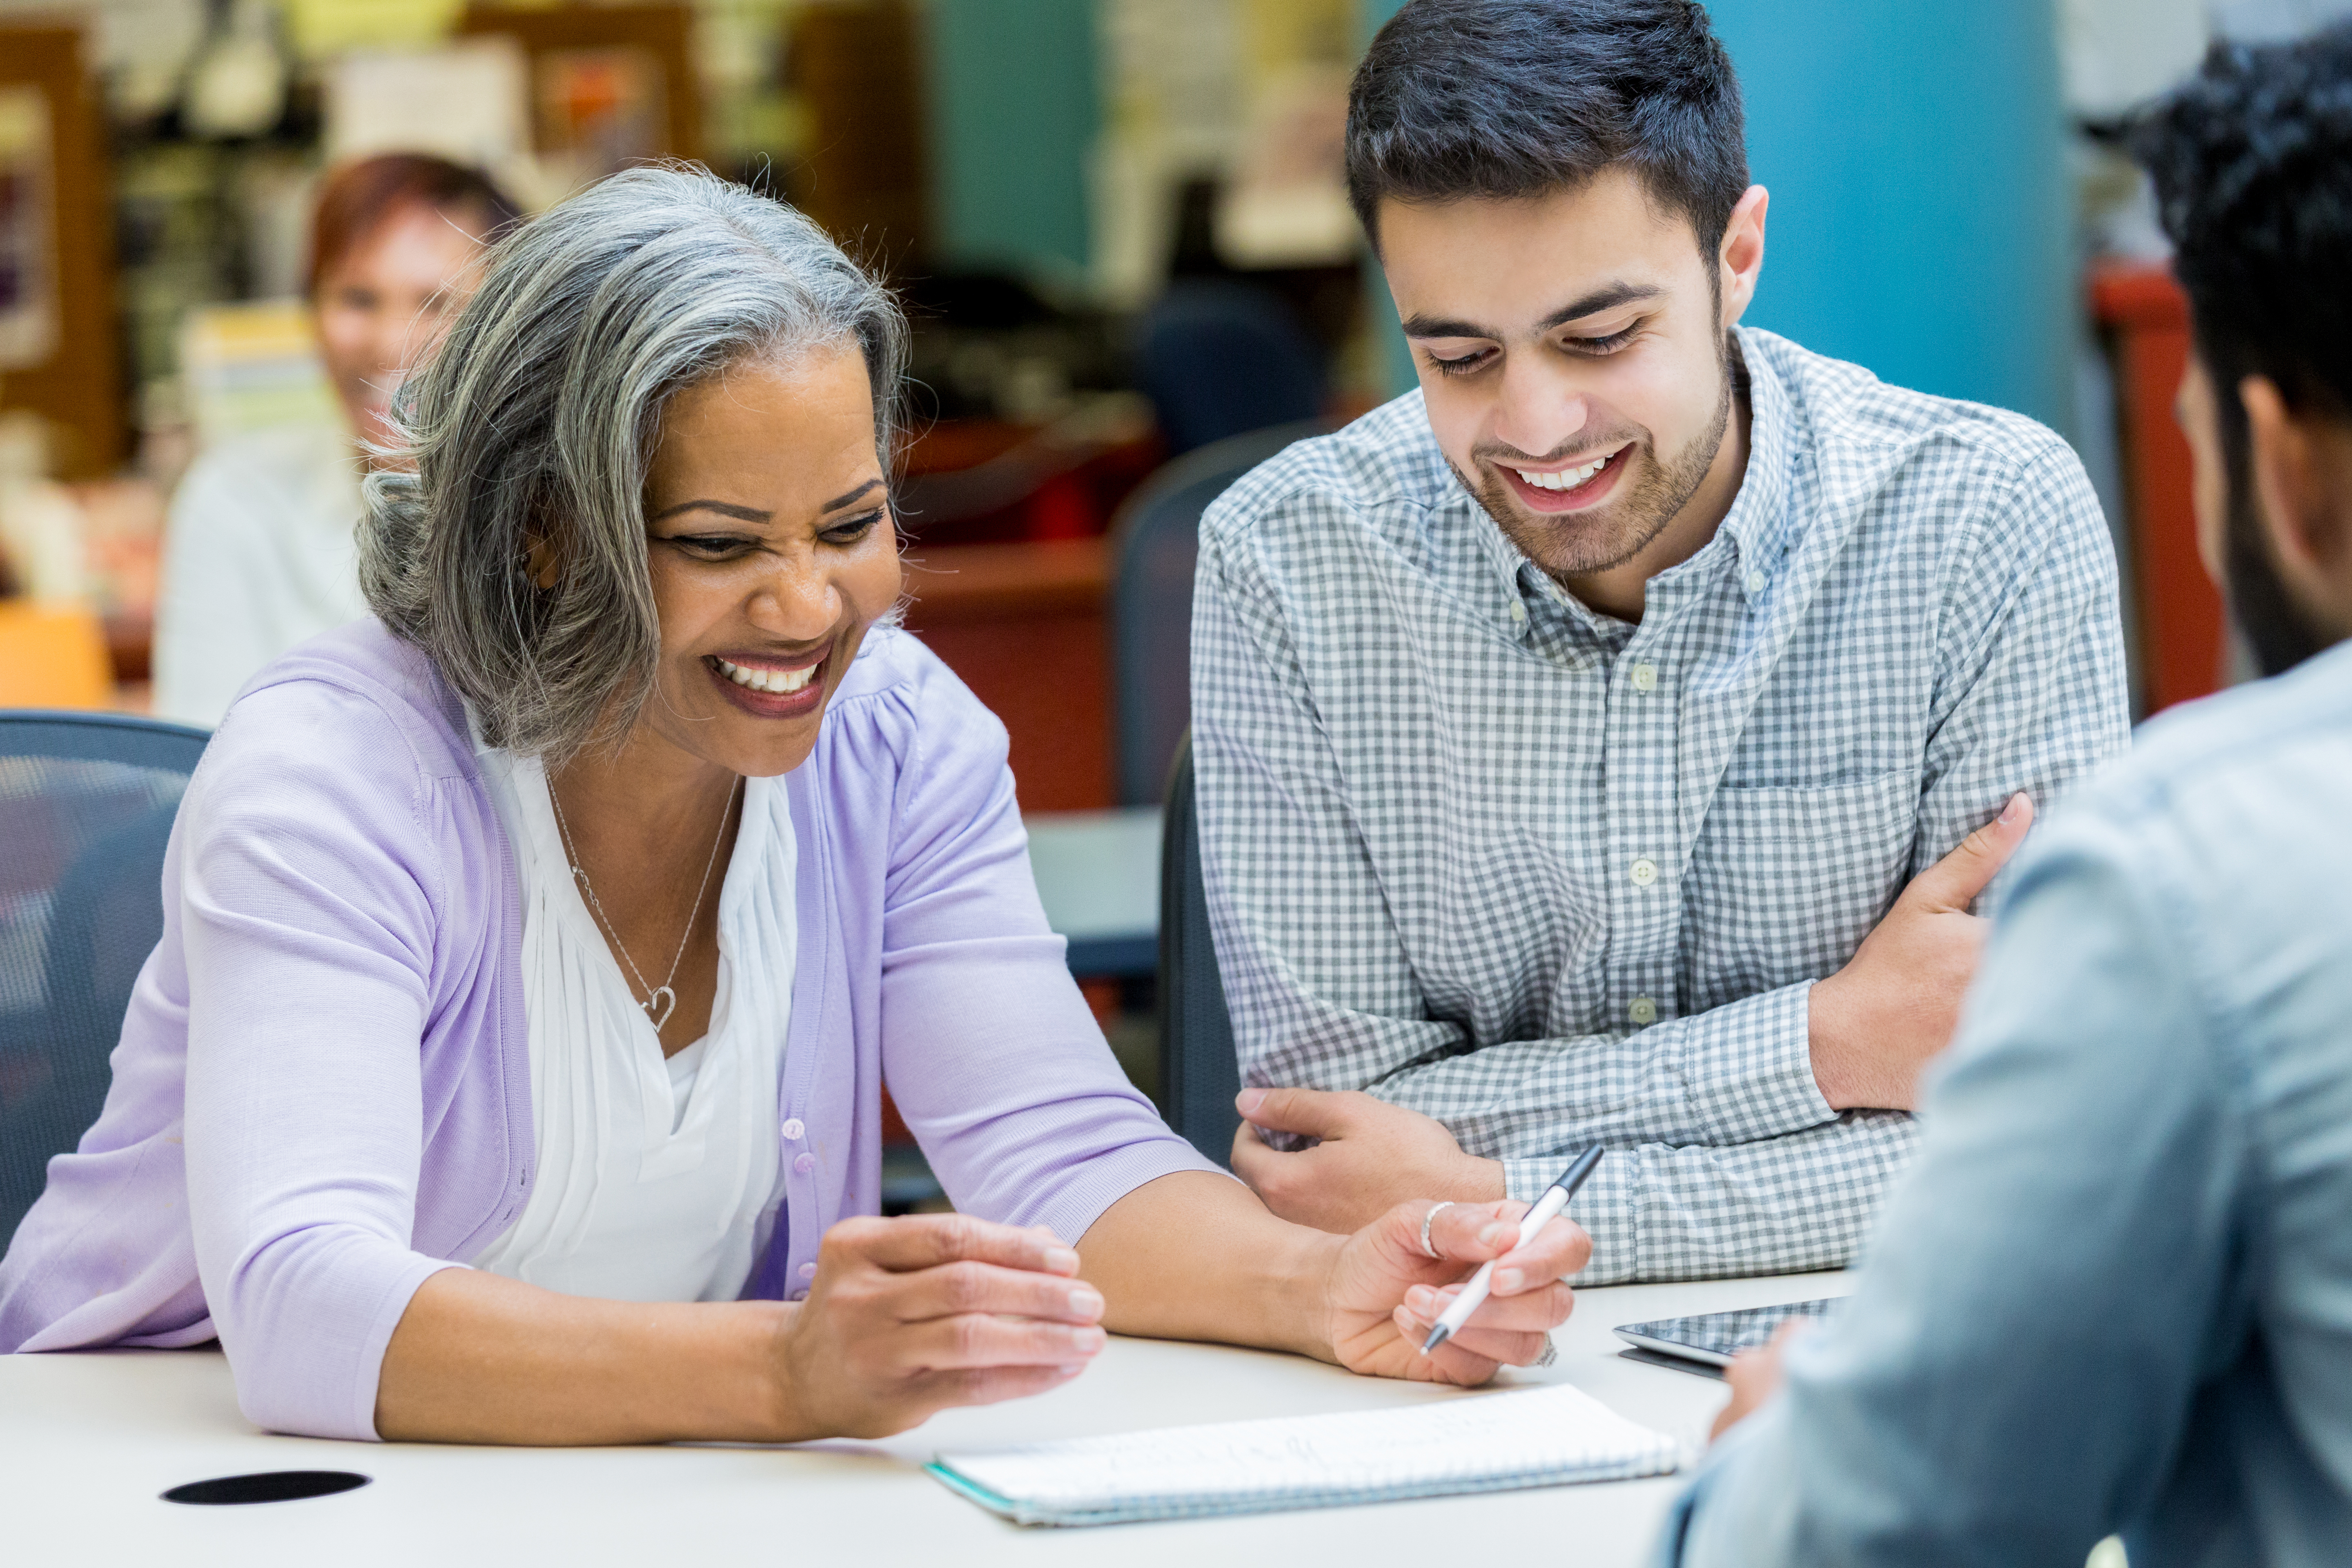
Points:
(2278, 631)
(1571, 545)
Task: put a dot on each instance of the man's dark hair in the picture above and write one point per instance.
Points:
(2253, 164)
(1512, 99)
(2252, 160)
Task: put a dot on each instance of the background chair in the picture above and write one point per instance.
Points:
(86, 802)
(1155, 542)
(1218, 357)
(1199, 1075)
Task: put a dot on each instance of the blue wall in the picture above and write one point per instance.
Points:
(1015, 103)
(1920, 222)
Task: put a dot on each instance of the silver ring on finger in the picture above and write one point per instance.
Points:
(1431, 1214)
(1550, 1354)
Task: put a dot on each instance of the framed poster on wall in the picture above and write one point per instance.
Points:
(29, 228)
(610, 85)
(58, 327)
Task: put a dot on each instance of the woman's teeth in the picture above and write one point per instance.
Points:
(781, 681)
(1567, 478)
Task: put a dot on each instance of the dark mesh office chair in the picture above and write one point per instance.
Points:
(86, 808)
(1155, 542)
(1199, 1075)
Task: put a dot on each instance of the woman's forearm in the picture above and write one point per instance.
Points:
(481, 1359)
(1194, 1256)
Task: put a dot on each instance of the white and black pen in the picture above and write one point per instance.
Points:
(1554, 1199)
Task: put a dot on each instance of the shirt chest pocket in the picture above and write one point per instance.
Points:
(1785, 881)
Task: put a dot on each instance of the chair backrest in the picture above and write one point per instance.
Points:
(1155, 543)
(1218, 357)
(1199, 1073)
(86, 802)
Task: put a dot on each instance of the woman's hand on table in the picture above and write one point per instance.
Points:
(910, 1316)
(1385, 1292)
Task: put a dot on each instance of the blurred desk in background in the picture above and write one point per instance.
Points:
(1099, 877)
(1024, 624)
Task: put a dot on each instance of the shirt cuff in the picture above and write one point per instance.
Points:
(1604, 1207)
(1747, 1068)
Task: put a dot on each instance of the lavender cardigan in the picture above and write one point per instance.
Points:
(323, 1093)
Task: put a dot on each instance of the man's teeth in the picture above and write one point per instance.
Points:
(1567, 478)
(781, 681)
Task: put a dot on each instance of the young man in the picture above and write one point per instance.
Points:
(1568, 730)
(2117, 1291)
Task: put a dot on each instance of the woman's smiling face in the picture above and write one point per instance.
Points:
(772, 549)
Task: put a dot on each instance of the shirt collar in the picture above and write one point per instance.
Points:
(1757, 523)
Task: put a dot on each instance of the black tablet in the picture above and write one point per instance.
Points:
(1713, 1338)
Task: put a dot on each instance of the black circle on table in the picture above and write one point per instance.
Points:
(265, 1486)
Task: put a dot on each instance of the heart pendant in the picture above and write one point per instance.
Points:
(660, 1005)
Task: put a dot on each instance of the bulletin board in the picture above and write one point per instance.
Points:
(610, 86)
(58, 338)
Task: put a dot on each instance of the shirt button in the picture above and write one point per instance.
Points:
(1645, 678)
(1519, 611)
(804, 1164)
(1645, 871)
(1756, 581)
(808, 1270)
(1644, 1010)
(794, 1129)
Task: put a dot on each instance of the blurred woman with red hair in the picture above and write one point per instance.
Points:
(260, 554)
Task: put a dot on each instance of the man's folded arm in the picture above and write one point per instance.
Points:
(1785, 1205)
(2031, 688)
(1321, 990)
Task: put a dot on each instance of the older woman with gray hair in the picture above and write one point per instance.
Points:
(510, 1067)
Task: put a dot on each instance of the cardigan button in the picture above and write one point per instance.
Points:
(792, 1129)
(804, 1164)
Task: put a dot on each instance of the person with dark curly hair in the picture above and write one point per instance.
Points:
(2114, 1292)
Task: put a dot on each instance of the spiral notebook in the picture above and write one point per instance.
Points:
(1482, 1443)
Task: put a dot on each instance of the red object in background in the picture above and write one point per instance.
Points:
(894, 1130)
(974, 481)
(2181, 640)
(1024, 624)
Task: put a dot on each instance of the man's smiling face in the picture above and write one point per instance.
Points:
(1573, 355)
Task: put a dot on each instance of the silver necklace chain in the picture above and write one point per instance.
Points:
(580, 873)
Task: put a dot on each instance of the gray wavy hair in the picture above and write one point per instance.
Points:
(536, 417)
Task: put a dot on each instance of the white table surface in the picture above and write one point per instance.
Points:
(88, 1441)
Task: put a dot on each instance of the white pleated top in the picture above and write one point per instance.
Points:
(656, 1181)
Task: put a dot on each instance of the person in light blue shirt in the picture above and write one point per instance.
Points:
(2115, 1293)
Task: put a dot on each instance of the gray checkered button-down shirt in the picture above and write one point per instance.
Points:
(1552, 878)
